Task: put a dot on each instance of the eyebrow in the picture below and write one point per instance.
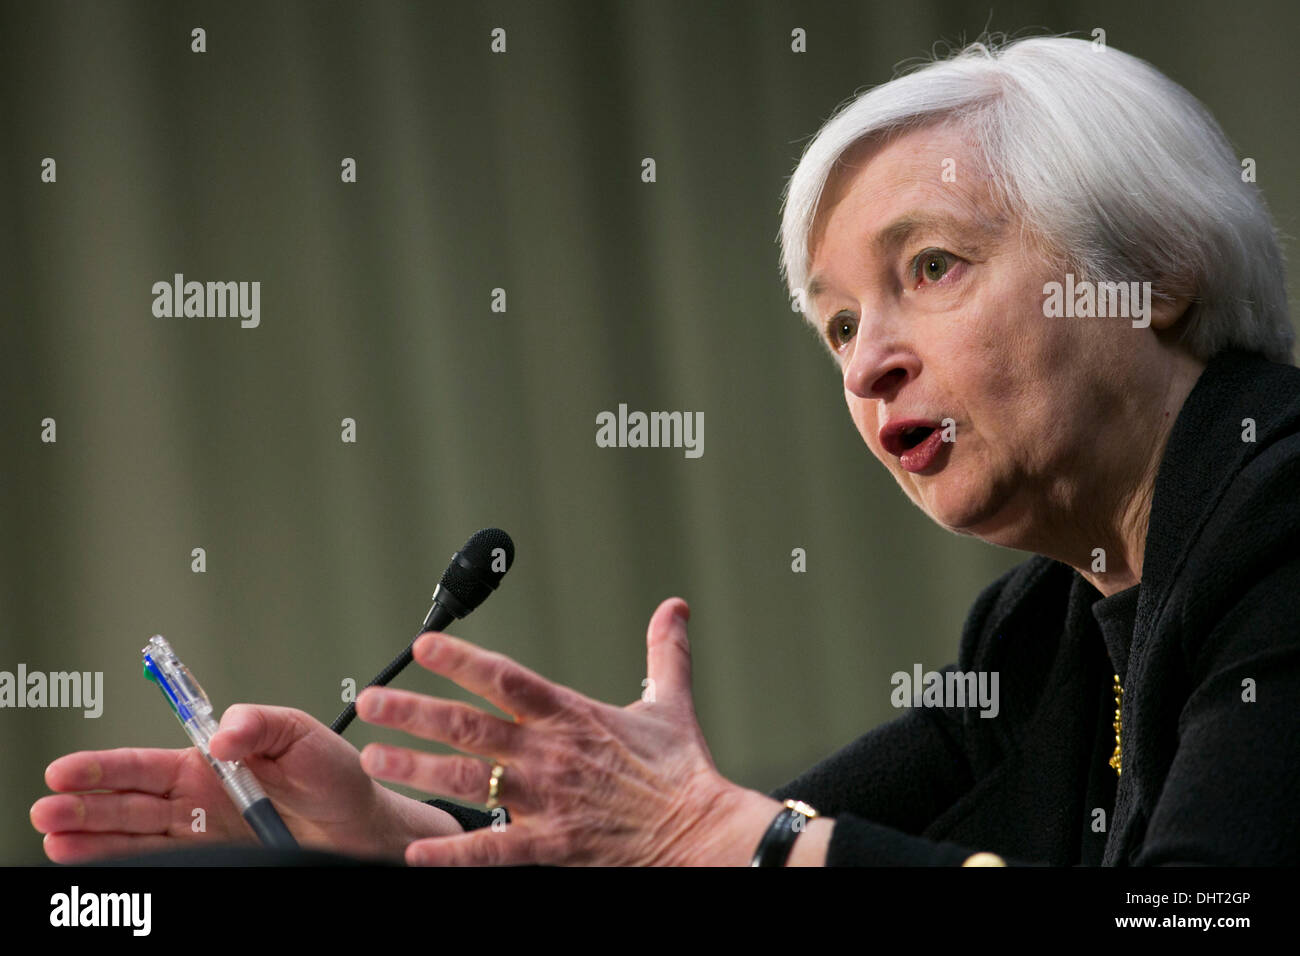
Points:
(898, 232)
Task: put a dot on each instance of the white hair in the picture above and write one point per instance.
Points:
(1110, 164)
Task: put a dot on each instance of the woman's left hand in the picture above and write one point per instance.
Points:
(585, 782)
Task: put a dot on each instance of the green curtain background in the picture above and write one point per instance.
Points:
(476, 171)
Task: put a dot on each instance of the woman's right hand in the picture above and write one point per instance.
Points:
(312, 775)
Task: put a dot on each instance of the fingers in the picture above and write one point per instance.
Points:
(83, 847)
(668, 651)
(102, 812)
(516, 845)
(92, 826)
(518, 691)
(462, 777)
(248, 729)
(450, 722)
(128, 768)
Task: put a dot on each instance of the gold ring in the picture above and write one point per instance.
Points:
(494, 786)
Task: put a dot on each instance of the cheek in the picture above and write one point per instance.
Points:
(1014, 360)
(864, 419)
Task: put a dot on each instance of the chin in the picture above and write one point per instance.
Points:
(956, 508)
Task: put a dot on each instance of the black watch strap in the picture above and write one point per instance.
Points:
(774, 848)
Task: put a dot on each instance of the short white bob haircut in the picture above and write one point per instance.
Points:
(1116, 170)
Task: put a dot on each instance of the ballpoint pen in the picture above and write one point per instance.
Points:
(193, 709)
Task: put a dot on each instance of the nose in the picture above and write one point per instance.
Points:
(879, 371)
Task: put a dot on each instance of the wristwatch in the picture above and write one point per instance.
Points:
(774, 848)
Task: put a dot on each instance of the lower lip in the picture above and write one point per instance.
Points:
(923, 455)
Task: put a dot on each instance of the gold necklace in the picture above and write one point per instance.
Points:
(1119, 697)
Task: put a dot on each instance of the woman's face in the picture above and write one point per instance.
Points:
(933, 308)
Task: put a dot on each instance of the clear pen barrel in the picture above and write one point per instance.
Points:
(240, 782)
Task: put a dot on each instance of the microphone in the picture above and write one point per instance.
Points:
(474, 573)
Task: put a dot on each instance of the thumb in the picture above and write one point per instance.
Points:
(668, 653)
(253, 730)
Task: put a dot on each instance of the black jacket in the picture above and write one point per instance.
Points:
(1208, 652)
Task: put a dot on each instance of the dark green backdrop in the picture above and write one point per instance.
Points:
(476, 171)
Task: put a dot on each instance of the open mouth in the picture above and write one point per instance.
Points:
(900, 437)
(914, 436)
(915, 442)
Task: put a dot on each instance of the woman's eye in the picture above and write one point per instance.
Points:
(931, 265)
(839, 330)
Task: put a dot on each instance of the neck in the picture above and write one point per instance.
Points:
(1122, 534)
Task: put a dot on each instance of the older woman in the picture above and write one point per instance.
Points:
(1059, 316)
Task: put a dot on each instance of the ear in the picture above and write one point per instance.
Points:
(1167, 311)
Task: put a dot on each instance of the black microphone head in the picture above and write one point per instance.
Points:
(478, 567)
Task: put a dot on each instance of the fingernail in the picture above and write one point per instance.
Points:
(430, 641)
(372, 702)
(376, 760)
